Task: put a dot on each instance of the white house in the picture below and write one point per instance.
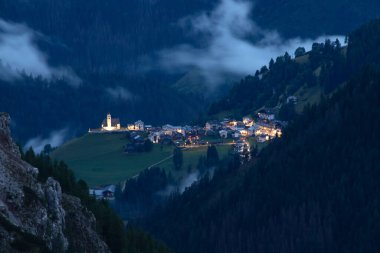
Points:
(291, 99)
(262, 138)
(139, 125)
(241, 146)
(236, 135)
(110, 124)
(169, 129)
(223, 134)
(265, 115)
(212, 125)
(248, 121)
(155, 137)
(106, 192)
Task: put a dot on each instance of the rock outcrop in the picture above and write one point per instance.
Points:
(37, 217)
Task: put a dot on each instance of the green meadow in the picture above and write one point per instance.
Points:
(99, 158)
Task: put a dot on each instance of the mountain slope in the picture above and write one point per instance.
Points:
(314, 190)
(107, 43)
(306, 77)
(35, 216)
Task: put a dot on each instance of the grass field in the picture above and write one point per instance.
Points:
(307, 95)
(191, 156)
(99, 158)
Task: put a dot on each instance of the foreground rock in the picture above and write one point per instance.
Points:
(37, 217)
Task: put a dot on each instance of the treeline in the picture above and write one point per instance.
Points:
(106, 36)
(108, 224)
(106, 44)
(143, 194)
(152, 188)
(314, 190)
(103, 36)
(324, 66)
(36, 104)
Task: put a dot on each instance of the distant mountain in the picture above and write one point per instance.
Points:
(103, 36)
(314, 190)
(110, 44)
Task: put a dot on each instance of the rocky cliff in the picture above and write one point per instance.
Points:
(37, 217)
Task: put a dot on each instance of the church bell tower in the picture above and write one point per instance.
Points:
(109, 120)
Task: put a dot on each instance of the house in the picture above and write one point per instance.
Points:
(239, 126)
(231, 124)
(262, 138)
(110, 124)
(248, 121)
(236, 135)
(139, 125)
(131, 127)
(241, 147)
(170, 130)
(265, 115)
(246, 132)
(254, 128)
(291, 99)
(223, 134)
(212, 125)
(188, 130)
(155, 137)
(106, 192)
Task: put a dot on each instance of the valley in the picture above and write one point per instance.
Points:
(189, 126)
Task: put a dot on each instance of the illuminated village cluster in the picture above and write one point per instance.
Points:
(263, 127)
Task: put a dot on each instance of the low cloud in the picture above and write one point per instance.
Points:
(228, 33)
(55, 139)
(20, 54)
(120, 93)
(181, 186)
(188, 181)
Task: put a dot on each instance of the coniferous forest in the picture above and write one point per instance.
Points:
(107, 44)
(314, 190)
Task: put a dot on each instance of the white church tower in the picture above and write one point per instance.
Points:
(110, 124)
(109, 121)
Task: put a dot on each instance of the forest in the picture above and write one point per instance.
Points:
(325, 67)
(314, 190)
(107, 48)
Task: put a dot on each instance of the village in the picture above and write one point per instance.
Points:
(263, 127)
(239, 134)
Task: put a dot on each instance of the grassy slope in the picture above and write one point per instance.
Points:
(191, 156)
(307, 95)
(99, 158)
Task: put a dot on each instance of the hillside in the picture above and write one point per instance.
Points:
(307, 78)
(99, 159)
(314, 190)
(44, 209)
(38, 216)
(109, 45)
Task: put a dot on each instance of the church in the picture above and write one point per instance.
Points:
(110, 124)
